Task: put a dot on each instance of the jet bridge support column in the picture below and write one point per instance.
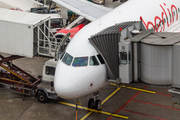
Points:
(136, 53)
(136, 69)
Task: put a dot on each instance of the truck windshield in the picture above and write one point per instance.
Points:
(50, 70)
(67, 59)
(80, 61)
(56, 22)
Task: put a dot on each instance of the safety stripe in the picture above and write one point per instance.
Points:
(114, 84)
(163, 94)
(176, 103)
(93, 110)
(145, 115)
(142, 90)
(14, 73)
(105, 100)
(133, 88)
(12, 80)
(156, 105)
(87, 115)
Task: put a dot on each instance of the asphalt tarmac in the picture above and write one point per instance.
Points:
(134, 101)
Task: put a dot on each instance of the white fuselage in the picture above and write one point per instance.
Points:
(76, 81)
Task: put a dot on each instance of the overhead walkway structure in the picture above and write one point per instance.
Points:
(22, 5)
(26, 34)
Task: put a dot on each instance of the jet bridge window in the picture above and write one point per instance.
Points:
(67, 59)
(129, 57)
(93, 61)
(50, 70)
(80, 61)
(123, 58)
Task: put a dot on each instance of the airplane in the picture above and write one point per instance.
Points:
(80, 70)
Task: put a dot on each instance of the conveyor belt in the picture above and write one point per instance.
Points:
(14, 76)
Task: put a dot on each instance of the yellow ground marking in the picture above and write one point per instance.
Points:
(93, 110)
(133, 88)
(87, 115)
(105, 100)
(176, 103)
(114, 84)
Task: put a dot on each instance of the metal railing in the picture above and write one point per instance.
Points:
(47, 42)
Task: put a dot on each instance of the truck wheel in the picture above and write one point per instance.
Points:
(42, 97)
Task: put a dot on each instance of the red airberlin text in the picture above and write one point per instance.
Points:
(167, 18)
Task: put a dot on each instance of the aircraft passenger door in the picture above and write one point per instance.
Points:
(125, 62)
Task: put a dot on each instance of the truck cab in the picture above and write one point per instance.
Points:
(45, 90)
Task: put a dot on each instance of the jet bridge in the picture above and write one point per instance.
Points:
(110, 43)
(132, 53)
(26, 34)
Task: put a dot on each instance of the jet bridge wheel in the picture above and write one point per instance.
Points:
(42, 97)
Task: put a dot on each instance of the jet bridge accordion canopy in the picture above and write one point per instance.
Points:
(106, 43)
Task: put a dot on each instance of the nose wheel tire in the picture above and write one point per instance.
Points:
(91, 103)
(98, 105)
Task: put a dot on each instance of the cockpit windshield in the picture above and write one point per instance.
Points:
(80, 61)
(67, 59)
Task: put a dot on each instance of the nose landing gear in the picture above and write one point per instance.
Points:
(95, 103)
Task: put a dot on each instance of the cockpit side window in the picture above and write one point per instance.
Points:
(80, 61)
(67, 59)
(100, 59)
(93, 61)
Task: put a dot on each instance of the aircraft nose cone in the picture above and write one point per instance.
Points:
(66, 86)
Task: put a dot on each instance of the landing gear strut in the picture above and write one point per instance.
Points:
(94, 102)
